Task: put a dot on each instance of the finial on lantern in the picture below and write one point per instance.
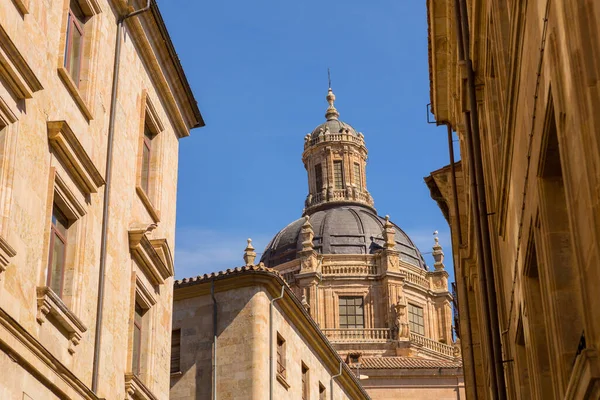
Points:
(331, 112)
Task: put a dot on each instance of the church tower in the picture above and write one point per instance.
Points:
(361, 277)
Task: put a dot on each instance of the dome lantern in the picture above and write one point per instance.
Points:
(335, 158)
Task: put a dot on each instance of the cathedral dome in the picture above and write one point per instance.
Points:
(333, 126)
(351, 229)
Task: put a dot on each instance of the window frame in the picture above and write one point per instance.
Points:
(319, 177)
(338, 184)
(412, 324)
(281, 360)
(305, 381)
(176, 333)
(149, 136)
(63, 237)
(136, 362)
(322, 392)
(357, 175)
(73, 21)
(347, 325)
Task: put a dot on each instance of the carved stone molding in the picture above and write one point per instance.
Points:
(48, 303)
(136, 390)
(70, 151)
(19, 76)
(6, 253)
(152, 256)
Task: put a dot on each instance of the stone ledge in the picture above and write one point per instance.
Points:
(281, 379)
(22, 6)
(154, 213)
(48, 303)
(152, 256)
(585, 377)
(74, 92)
(136, 390)
(70, 151)
(19, 75)
(6, 253)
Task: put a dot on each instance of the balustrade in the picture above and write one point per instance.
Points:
(357, 335)
(349, 269)
(433, 345)
(415, 278)
(335, 137)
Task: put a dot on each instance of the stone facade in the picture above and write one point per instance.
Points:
(55, 107)
(239, 300)
(527, 185)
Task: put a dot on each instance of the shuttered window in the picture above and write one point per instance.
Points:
(176, 351)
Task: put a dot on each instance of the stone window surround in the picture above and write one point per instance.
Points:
(134, 383)
(7, 149)
(48, 302)
(149, 118)
(281, 352)
(82, 91)
(305, 380)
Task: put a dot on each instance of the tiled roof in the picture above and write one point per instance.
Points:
(228, 272)
(405, 363)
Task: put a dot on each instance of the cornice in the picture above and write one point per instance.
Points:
(70, 151)
(149, 258)
(19, 75)
(152, 39)
(136, 390)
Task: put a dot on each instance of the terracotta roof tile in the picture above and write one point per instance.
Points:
(228, 272)
(406, 363)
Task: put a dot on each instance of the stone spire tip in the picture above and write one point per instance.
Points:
(332, 112)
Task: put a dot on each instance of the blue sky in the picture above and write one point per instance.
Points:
(259, 72)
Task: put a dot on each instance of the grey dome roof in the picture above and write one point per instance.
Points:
(335, 126)
(343, 229)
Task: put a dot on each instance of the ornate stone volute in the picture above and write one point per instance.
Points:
(389, 234)
(249, 253)
(438, 255)
(456, 351)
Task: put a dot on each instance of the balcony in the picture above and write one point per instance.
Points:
(370, 335)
